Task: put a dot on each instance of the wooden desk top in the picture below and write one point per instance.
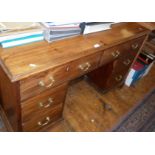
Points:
(148, 25)
(22, 61)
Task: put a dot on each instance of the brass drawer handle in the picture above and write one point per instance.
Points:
(42, 83)
(47, 120)
(50, 101)
(118, 78)
(127, 62)
(135, 46)
(85, 67)
(115, 54)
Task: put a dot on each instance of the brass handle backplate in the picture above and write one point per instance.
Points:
(135, 46)
(42, 83)
(47, 120)
(119, 78)
(85, 67)
(50, 101)
(115, 54)
(127, 62)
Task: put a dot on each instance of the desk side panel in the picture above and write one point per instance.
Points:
(10, 100)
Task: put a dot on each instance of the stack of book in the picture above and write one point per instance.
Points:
(140, 68)
(58, 30)
(92, 27)
(19, 33)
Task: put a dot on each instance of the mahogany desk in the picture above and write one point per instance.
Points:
(34, 78)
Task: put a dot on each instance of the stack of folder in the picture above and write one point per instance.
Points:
(140, 68)
(58, 30)
(19, 33)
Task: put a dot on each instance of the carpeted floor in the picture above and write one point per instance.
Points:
(140, 118)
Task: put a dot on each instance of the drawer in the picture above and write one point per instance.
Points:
(34, 85)
(42, 120)
(119, 71)
(123, 51)
(84, 65)
(43, 103)
(122, 65)
(115, 79)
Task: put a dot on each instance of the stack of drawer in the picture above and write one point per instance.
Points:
(125, 57)
(43, 95)
(42, 98)
(43, 109)
(115, 63)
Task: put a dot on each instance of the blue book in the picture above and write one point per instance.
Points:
(138, 74)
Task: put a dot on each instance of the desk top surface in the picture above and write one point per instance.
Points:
(148, 25)
(22, 61)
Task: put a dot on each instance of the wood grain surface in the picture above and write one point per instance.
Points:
(23, 61)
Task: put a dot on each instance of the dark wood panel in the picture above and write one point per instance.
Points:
(11, 100)
(99, 76)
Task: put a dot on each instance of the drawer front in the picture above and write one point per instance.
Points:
(123, 51)
(43, 120)
(120, 69)
(35, 85)
(44, 81)
(84, 65)
(133, 48)
(43, 103)
(123, 64)
(115, 79)
(126, 58)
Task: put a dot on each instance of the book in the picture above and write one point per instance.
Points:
(150, 59)
(140, 68)
(134, 73)
(10, 30)
(20, 35)
(14, 26)
(51, 38)
(53, 25)
(64, 32)
(96, 27)
(21, 41)
(56, 31)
